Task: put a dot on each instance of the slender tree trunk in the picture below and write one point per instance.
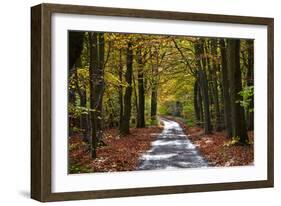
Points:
(93, 40)
(205, 98)
(96, 86)
(84, 117)
(83, 104)
(235, 83)
(136, 100)
(250, 81)
(214, 71)
(120, 89)
(100, 85)
(125, 128)
(153, 109)
(200, 106)
(196, 102)
(141, 97)
(113, 113)
(225, 87)
(203, 85)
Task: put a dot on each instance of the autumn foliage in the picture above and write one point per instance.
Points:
(119, 154)
(217, 149)
(121, 83)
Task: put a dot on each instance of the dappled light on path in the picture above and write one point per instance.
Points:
(171, 150)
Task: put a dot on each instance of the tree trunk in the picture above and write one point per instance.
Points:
(153, 109)
(225, 89)
(214, 71)
(125, 127)
(83, 104)
(141, 98)
(196, 102)
(136, 101)
(120, 89)
(200, 104)
(96, 87)
(93, 40)
(250, 81)
(203, 86)
(113, 113)
(235, 85)
(100, 86)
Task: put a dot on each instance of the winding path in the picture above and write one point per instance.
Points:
(171, 150)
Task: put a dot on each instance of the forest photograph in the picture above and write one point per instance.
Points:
(159, 102)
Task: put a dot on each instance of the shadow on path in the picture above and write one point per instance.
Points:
(171, 149)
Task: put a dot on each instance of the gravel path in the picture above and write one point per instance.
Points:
(171, 150)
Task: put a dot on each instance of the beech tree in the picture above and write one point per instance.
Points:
(96, 86)
(141, 97)
(238, 123)
(125, 127)
(203, 82)
(225, 88)
(122, 81)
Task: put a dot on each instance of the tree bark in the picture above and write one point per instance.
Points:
(141, 97)
(96, 86)
(203, 85)
(83, 104)
(153, 109)
(225, 88)
(135, 121)
(200, 106)
(250, 81)
(100, 85)
(125, 127)
(196, 102)
(214, 71)
(93, 40)
(235, 86)
(120, 89)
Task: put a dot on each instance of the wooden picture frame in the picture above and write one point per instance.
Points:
(41, 95)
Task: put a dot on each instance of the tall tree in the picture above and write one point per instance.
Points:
(201, 74)
(214, 68)
(250, 81)
(225, 89)
(120, 88)
(235, 86)
(195, 102)
(125, 127)
(141, 97)
(81, 90)
(96, 41)
(100, 83)
(154, 83)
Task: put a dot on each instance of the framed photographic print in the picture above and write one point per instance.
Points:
(132, 102)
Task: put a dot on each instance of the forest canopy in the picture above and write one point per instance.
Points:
(125, 81)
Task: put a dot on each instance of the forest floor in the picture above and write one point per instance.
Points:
(119, 154)
(137, 150)
(216, 147)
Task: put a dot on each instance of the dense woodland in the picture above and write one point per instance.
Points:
(126, 81)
